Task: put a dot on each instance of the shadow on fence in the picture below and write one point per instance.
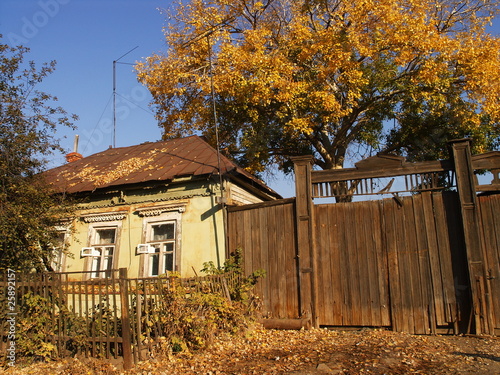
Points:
(55, 315)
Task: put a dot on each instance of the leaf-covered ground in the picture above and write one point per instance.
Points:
(310, 352)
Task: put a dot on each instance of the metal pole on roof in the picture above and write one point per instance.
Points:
(216, 126)
(214, 110)
(222, 198)
(114, 94)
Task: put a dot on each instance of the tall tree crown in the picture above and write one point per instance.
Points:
(328, 76)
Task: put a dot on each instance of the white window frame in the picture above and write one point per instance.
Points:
(94, 264)
(146, 259)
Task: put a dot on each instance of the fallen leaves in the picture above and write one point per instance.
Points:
(317, 351)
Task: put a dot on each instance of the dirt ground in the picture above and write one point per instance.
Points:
(310, 352)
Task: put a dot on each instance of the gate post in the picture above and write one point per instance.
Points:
(126, 334)
(481, 306)
(306, 240)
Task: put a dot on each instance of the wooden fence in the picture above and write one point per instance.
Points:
(427, 262)
(108, 317)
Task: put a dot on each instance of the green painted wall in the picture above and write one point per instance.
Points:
(201, 224)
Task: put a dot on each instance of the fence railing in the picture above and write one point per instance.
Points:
(69, 313)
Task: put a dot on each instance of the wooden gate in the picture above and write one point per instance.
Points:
(386, 263)
(427, 262)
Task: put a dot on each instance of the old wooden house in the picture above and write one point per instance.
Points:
(153, 208)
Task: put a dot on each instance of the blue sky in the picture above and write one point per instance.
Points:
(85, 37)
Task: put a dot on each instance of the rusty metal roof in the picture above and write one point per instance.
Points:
(147, 162)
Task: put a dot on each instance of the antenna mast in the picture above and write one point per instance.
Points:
(114, 94)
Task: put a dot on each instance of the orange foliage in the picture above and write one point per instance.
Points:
(321, 75)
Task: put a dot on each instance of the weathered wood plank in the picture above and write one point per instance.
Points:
(404, 268)
(354, 277)
(354, 173)
(338, 270)
(390, 229)
(366, 263)
(494, 253)
(290, 247)
(419, 308)
(345, 294)
(445, 257)
(424, 266)
(491, 228)
(435, 269)
(325, 274)
(371, 296)
(381, 264)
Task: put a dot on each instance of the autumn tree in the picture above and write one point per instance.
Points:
(329, 77)
(29, 212)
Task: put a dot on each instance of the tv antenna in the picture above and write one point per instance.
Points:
(114, 92)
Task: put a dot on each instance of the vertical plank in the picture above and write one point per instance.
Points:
(289, 247)
(336, 224)
(418, 307)
(390, 229)
(424, 267)
(490, 223)
(372, 295)
(381, 264)
(407, 318)
(445, 256)
(276, 220)
(345, 264)
(434, 260)
(125, 310)
(325, 299)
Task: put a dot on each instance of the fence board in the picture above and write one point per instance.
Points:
(382, 266)
(447, 229)
(326, 303)
(424, 265)
(489, 205)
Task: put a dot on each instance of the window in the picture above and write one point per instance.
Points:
(160, 250)
(161, 236)
(103, 240)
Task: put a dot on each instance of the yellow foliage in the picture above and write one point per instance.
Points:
(312, 67)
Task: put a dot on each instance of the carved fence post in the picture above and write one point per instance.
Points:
(306, 249)
(473, 241)
(126, 334)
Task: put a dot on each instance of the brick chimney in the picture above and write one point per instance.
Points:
(75, 155)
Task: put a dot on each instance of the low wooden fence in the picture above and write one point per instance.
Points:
(110, 317)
